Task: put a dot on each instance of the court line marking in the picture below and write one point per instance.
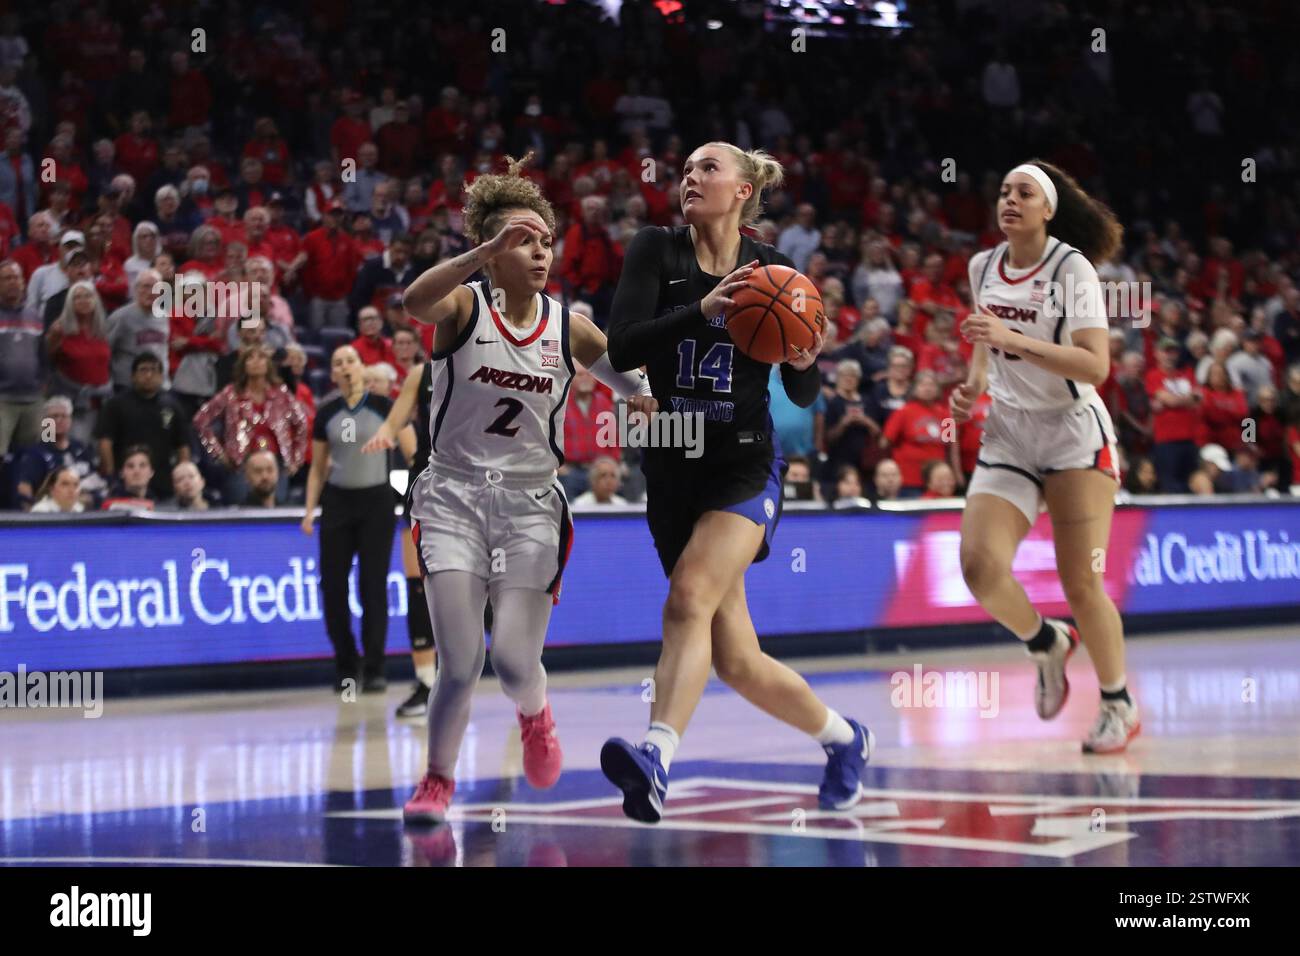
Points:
(154, 861)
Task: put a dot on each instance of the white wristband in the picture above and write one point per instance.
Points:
(623, 384)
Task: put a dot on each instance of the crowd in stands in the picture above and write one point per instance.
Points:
(286, 183)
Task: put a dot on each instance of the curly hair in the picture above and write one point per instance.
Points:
(491, 196)
(1086, 223)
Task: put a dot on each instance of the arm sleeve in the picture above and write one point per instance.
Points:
(634, 331)
(802, 387)
(1085, 308)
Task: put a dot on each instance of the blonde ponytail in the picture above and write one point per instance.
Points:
(760, 169)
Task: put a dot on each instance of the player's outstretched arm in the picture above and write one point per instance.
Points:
(590, 347)
(399, 415)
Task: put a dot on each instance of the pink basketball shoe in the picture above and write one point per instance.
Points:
(542, 754)
(429, 803)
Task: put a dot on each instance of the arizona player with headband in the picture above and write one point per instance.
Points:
(1042, 347)
(487, 513)
(712, 516)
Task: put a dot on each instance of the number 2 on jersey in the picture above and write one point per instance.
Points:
(502, 426)
(715, 366)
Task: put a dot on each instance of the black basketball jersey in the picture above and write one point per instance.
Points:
(423, 419)
(701, 371)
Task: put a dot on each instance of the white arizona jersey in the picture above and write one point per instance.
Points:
(1047, 301)
(499, 392)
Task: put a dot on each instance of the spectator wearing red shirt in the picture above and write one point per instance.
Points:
(257, 220)
(446, 129)
(205, 253)
(1221, 267)
(106, 263)
(77, 343)
(225, 220)
(280, 236)
(590, 409)
(40, 248)
(190, 100)
(372, 345)
(1175, 401)
(65, 169)
(329, 261)
(269, 147)
(592, 260)
(1223, 408)
(930, 295)
(137, 151)
(400, 144)
(600, 167)
(915, 432)
(350, 130)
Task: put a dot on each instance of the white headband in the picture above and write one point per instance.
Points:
(1044, 181)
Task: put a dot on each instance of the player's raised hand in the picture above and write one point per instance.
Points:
(516, 231)
(719, 300)
(804, 358)
(382, 441)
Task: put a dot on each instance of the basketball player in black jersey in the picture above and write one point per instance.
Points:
(396, 431)
(712, 515)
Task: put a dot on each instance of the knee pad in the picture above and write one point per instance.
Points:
(418, 626)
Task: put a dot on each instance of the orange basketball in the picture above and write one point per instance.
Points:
(778, 310)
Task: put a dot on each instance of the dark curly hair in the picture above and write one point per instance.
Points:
(1087, 224)
(491, 196)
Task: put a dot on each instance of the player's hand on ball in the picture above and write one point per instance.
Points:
(719, 300)
(513, 233)
(804, 358)
(382, 441)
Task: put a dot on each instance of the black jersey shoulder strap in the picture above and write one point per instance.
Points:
(1063, 306)
(984, 274)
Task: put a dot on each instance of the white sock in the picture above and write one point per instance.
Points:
(1118, 685)
(666, 739)
(1033, 632)
(534, 703)
(836, 731)
(426, 674)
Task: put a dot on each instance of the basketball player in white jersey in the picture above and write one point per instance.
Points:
(1041, 336)
(487, 513)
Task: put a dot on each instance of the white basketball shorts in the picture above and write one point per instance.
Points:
(1020, 448)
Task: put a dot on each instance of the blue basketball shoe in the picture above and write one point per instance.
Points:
(640, 774)
(842, 783)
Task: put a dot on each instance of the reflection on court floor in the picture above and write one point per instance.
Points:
(297, 777)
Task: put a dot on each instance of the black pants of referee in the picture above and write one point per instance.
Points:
(356, 522)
